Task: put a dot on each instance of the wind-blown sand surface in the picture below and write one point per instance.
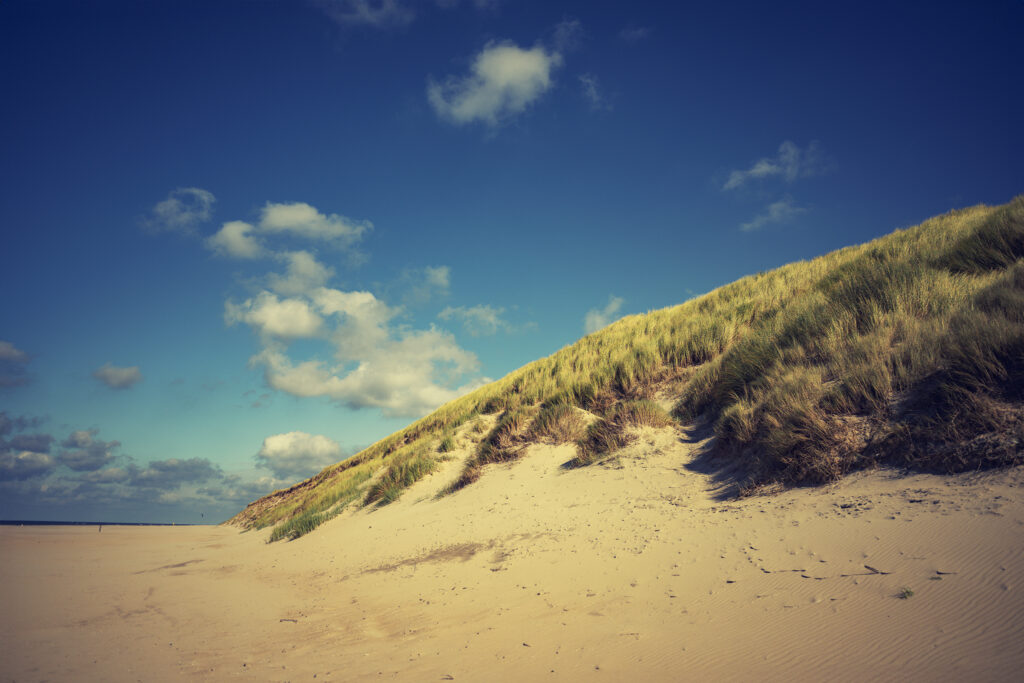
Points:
(633, 570)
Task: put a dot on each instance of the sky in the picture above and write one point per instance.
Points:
(242, 240)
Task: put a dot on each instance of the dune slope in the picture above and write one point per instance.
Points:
(906, 351)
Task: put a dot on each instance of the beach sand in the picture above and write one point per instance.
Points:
(640, 569)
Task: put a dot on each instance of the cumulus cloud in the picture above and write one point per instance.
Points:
(15, 466)
(789, 163)
(377, 13)
(304, 273)
(83, 452)
(477, 320)
(275, 318)
(183, 211)
(503, 81)
(374, 361)
(776, 212)
(116, 377)
(302, 220)
(235, 239)
(598, 318)
(592, 92)
(298, 455)
(13, 365)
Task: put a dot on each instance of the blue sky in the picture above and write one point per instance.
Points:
(242, 240)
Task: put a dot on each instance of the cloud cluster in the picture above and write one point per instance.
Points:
(374, 361)
(241, 240)
(298, 455)
(39, 472)
(183, 211)
(13, 365)
(598, 318)
(402, 372)
(118, 377)
(504, 80)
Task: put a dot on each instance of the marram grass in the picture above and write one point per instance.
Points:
(907, 350)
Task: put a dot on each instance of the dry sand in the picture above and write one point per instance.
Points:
(634, 570)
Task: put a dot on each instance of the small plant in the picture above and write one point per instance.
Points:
(558, 423)
(447, 445)
(905, 593)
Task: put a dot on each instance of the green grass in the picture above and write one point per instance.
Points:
(401, 473)
(906, 350)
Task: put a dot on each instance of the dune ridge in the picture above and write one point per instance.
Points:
(907, 351)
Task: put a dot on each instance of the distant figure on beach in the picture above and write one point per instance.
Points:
(100, 529)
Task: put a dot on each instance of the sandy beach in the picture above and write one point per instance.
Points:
(638, 569)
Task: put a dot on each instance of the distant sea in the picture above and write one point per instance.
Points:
(36, 522)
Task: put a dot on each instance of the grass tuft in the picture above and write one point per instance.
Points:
(401, 473)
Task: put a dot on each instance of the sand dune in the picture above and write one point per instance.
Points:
(638, 569)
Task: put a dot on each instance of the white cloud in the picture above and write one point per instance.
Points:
(117, 377)
(234, 239)
(598, 318)
(13, 362)
(790, 163)
(183, 210)
(302, 220)
(304, 274)
(275, 318)
(776, 212)
(477, 320)
(298, 455)
(504, 80)
(375, 364)
(378, 13)
(592, 91)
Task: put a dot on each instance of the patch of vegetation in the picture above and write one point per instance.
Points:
(557, 423)
(609, 434)
(321, 509)
(447, 445)
(905, 593)
(402, 472)
(503, 444)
